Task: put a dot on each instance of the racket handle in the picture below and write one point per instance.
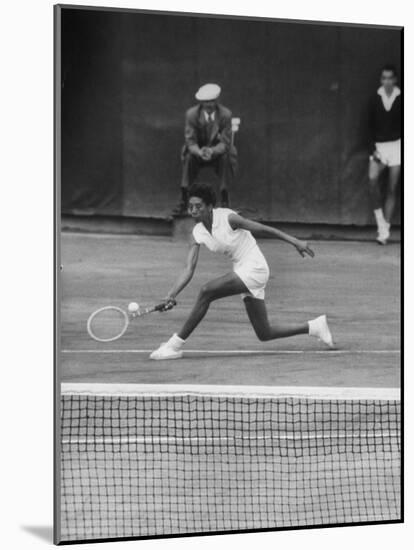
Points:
(161, 307)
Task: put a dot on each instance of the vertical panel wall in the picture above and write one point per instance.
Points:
(303, 113)
(159, 74)
(91, 112)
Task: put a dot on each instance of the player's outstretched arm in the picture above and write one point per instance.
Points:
(238, 222)
(187, 273)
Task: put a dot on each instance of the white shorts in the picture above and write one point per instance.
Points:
(389, 152)
(254, 272)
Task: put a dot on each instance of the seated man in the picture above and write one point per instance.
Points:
(208, 142)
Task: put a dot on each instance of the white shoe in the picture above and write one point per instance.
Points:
(383, 233)
(319, 328)
(168, 350)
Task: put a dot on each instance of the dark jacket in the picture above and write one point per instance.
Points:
(196, 133)
(384, 125)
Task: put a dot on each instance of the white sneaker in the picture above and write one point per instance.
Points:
(168, 350)
(383, 233)
(319, 328)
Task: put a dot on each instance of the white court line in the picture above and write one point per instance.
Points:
(247, 352)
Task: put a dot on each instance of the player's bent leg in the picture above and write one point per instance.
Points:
(393, 179)
(257, 313)
(374, 171)
(227, 285)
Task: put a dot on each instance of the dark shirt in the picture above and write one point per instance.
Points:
(385, 125)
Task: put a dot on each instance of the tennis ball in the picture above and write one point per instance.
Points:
(133, 307)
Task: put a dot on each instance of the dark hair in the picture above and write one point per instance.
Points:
(204, 192)
(389, 67)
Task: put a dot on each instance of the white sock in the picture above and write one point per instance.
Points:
(176, 342)
(379, 217)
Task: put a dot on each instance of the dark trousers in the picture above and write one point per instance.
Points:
(221, 165)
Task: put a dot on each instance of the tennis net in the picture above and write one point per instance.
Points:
(140, 460)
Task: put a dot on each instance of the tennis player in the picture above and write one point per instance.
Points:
(222, 230)
(385, 130)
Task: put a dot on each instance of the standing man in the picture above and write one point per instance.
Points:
(385, 130)
(208, 142)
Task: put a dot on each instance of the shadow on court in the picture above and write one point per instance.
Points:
(355, 283)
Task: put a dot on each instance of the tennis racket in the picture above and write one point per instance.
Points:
(110, 323)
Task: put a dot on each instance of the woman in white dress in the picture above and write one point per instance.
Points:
(223, 230)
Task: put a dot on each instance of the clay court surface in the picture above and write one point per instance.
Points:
(356, 283)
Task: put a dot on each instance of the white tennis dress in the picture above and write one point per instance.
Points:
(240, 246)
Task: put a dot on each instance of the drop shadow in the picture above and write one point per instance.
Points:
(43, 532)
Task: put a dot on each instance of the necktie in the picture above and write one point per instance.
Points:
(209, 125)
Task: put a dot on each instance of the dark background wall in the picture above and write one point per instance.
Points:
(301, 91)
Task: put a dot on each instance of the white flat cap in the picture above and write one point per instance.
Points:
(208, 92)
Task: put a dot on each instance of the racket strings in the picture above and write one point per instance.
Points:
(108, 324)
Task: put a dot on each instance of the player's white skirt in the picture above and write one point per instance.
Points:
(389, 152)
(254, 272)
